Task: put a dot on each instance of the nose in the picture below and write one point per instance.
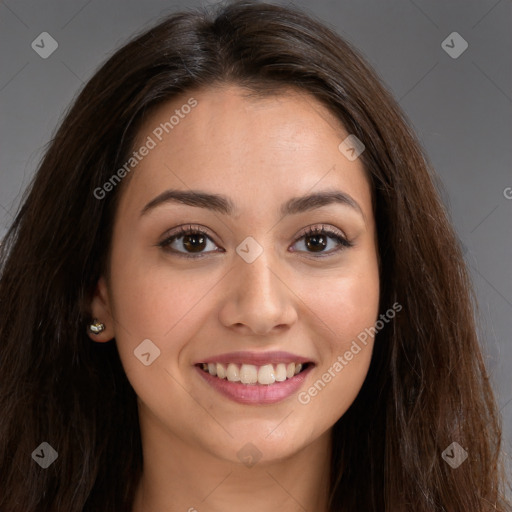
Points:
(258, 301)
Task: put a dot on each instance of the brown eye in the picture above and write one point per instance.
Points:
(317, 239)
(316, 242)
(188, 242)
(194, 243)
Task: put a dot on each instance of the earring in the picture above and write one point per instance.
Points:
(96, 327)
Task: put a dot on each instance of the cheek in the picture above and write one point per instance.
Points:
(149, 295)
(344, 311)
(342, 306)
(150, 304)
(158, 303)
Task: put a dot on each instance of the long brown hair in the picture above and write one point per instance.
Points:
(427, 385)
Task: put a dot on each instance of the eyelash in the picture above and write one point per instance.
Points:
(311, 231)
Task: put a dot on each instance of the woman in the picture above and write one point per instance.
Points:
(232, 285)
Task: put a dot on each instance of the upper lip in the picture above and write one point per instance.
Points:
(255, 358)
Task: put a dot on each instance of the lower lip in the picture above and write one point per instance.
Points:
(256, 394)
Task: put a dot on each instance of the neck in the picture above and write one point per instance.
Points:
(179, 477)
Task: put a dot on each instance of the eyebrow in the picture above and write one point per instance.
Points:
(223, 204)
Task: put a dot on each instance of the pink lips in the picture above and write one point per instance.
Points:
(256, 394)
(256, 358)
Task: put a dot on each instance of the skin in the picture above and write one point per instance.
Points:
(260, 152)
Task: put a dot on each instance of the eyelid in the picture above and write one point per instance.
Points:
(321, 227)
(180, 230)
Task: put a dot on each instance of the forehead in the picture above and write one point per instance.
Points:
(252, 147)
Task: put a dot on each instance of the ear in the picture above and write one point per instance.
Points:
(101, 311)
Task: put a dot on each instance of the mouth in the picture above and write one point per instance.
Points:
(250, 374)
(255, 378)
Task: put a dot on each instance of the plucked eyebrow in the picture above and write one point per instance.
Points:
(223, 204)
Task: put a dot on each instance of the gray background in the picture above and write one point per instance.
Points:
(461, 109)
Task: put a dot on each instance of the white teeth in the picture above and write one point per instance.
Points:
(251, 374)
(281, 372)
(221, 371)
(248, 374)
(233, 373)
(266, 374)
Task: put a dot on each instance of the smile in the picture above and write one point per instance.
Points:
(251, 374)
(255, 378)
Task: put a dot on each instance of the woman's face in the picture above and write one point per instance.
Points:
(252, 293)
